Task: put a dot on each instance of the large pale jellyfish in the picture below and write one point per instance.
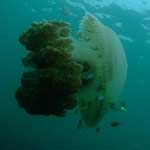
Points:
(101, 49)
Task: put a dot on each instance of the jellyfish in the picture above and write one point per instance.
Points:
(100, 48)
(64, 72)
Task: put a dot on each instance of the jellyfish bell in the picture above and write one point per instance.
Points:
(105, 55)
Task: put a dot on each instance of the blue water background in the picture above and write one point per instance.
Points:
(19, 130)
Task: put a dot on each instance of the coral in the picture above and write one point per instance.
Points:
(47, 88)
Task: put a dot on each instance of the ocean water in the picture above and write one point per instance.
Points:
(19, 130)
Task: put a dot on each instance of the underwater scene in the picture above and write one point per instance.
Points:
(75, 74)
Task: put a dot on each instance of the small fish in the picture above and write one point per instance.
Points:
(123, 103)
(80, 124)
(118, 107)
(123, 106)
(98, 130)
(123, 109)
(113, 106)
(115, 124)
(65, 10)
(100, 98)
(76, 109)
(87, 39)
(95, 48)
